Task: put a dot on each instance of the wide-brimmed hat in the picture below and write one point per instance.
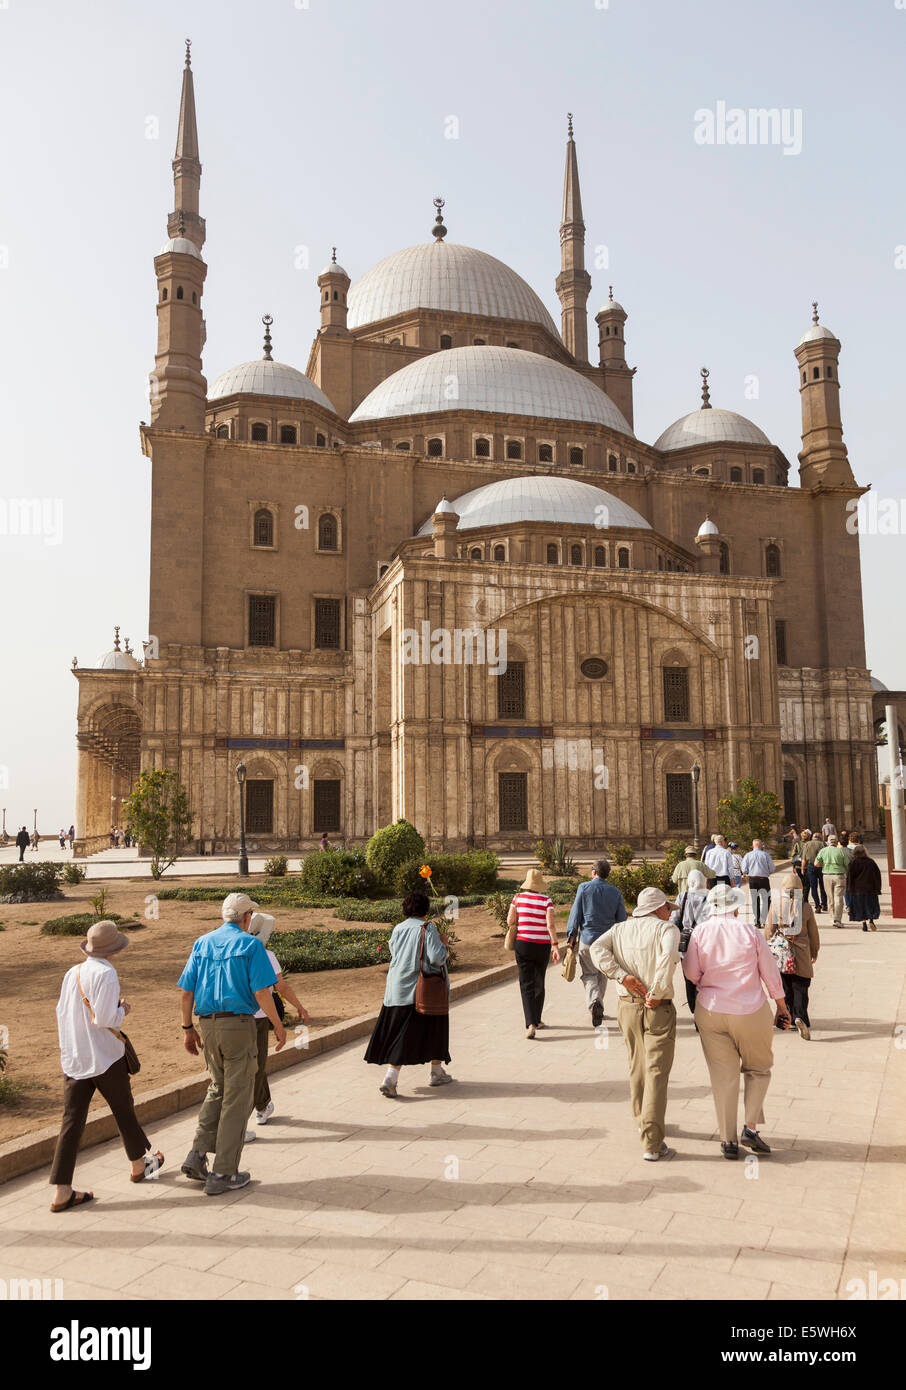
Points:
(261, 925)
(696, 882)
(690, 849)
(791, 883)
(534, 882)
(650, 899)
(236, 905)
(103, 939)
(724, 898)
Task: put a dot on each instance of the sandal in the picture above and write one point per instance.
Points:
(153, 1164)
(76, 1199)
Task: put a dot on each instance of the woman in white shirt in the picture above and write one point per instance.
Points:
(261, 925)
(90, 1013)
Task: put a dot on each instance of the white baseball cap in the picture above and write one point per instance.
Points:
(236, 905)
(261, 925)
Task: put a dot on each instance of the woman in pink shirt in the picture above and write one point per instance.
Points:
(730, 963)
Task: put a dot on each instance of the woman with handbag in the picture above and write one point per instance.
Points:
(414, 1023)
(96, 1056)
(792, 934)
(533, 936)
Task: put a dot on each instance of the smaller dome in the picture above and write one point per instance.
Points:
(817, 330)
(182, 245)
(444, 508)
(564, 501)
(117, 661)
(710, 426)
(877, 685)
(611, 304)
(266, 378)
(333, 269)
(708, 528)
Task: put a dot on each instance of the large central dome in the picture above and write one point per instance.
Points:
(505, 381)
(443, 275)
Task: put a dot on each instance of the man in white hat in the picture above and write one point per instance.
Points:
(641, 954)
(227, 978)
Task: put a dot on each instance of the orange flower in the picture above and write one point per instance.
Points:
(425, 871)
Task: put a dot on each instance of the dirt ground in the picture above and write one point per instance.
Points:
(32, 966)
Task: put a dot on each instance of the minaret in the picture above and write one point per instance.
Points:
(574, 282)
(333, 283)
(611, 321)
(178, 387)
(823, 460)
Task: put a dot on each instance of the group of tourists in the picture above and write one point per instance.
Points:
(835, 869)
(67, 835)
(121, 838)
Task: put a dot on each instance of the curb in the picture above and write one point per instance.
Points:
(35, 1150)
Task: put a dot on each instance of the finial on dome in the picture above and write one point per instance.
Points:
(333, 255)
(116, 639)
(439, 230)
(706, 394)
(75, 662)
(267, 320)
(610, 293)
(128, 647)
(814, 311)
(188, 53)
(569, 125)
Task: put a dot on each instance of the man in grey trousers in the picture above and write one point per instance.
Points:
(598, 906)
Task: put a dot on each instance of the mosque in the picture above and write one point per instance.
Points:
(436, 574)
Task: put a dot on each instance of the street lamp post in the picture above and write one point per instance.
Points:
(36, 818)
(243, 856)
(695, 773)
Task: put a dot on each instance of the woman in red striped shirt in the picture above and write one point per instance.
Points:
(536, 940)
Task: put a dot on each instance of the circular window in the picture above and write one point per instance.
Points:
(594, 668)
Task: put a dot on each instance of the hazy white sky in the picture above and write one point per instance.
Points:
(328, 125)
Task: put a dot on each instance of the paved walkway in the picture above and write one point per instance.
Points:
(524, 1180)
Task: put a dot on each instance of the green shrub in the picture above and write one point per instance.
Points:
(472, 872)
(498, 905)
(566, 885)
(388, 910)
(77, 924)
(391, 846)
(73, 873)
(508, 885)
(317, 949)
(276, 866)
(628, 881)
(655, 875)
(339, 873)
(554, 857)
(288, 892)
(622, 854)
(544, 854)
(30, 882)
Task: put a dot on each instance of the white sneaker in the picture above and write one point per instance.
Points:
(262, 1116)
(440, 1078)
(250, 1135)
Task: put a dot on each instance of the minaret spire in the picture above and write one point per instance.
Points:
(573, 283)
(186, 164)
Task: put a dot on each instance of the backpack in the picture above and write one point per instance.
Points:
(782, 951)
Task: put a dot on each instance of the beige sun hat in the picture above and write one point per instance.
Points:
(103, 939)
(650, 899)
(534, 882)
(723, 898)
(236, 905)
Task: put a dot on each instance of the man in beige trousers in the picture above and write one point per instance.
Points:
(641, 955)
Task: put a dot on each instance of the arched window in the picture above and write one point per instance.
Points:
(757, 475)
(264, 527)
(553, 557)
(223, 431)
(623, 558)
(600, 557)
(575, 555)
(499, 552)
(512, 345)
(676, 693)
(164, 295)
(545, 453)
(514, 449)
(630, 468)
(576, 458)
(735, 475)
(482, 448)
(194, 297)
(179, 291)
(287, 434)
(327, 531)
(435, 449)
(772, 561)
(724, 558)
(660, 561)
(403, 445)
(479, 342)
(321, 441)
(446, 341)
(701, 473)
(259, 434)
(475, 553)
(611, 463)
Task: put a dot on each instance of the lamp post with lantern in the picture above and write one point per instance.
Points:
(695, 773)
(243, 856)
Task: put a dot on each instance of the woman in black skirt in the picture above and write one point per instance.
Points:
(863, 884)
(402, 1037)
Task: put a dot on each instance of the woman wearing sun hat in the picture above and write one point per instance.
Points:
(90, 1013)
(532, 914)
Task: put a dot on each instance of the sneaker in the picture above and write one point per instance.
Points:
(803, 1027)
(388, 1089)
(441, 1078)
(663, 1152)
(217, 1183)
(597, 1014)
(530, 1031)
(250, 1136)
(753, 1140)
(873, 926)
(540, 1025)
(196, 1166)
(262, 1116)
(730, 1149)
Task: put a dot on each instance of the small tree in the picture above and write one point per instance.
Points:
(157, 813)
(391, 846)
(748, 813)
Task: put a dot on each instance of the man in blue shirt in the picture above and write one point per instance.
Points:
(598, 906)
(719, 861)
(757, 867)
(227, 978)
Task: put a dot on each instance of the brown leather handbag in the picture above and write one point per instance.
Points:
(431, 996)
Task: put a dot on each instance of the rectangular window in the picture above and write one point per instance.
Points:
(676, 693)
(512, 789)
(259, 807)
(262, 620)
(327, 624)
(679, 800)
(780, 640)
(511, 691)
(326, 804)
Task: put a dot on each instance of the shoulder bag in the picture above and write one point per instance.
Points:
(431, 996)
(133, 1065)
(570, 959)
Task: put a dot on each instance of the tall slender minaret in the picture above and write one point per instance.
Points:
(178, 387)
(823, 458)
(574, 282)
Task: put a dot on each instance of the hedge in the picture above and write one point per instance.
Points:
(317, 949)
(77, 923)
(391, 909)
(338, 872)
(472, 872)
(30, 882)
(281, 892)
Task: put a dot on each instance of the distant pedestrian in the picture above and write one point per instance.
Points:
(737, 863)
(35, 841)
(641, 954)
(834, 860)
(729, 962)
(226, 979)
(792, 917)
(325, 843)
(812, 846)
(598, 906)
(532, 914)
(23, 841)
(62, 838)
(261, 925)
(828, 829)
(686, 866)
(720, 861)
(757, 867)
(402, 1036)
(863, 884)
(90, 1014)
(113, 837)
(709, 849)
(72, 837)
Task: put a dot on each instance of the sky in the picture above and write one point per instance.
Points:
(329, 123)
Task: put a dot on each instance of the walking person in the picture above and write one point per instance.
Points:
(833, 861)
(62, 838)
(707, 852)
(812, 846)
(532, 914)
(35, 841)
(828, 829)
(23, 841)
(757, 867)
(325, 843)
(226, 979)
(737, 863)
(261, 925)
(691, 908)
(720, 862)
(402, 1036)
(641, 954)
(685, 867)
(598, 906)
(71, 837)
(90, 1013)
(863, 884)
(792, 917)
(729, 962)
